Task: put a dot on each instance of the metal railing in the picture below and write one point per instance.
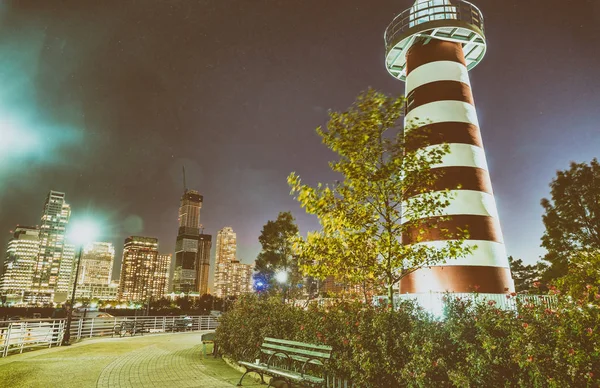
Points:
(432, 11)
(19, 336)
(434, 302)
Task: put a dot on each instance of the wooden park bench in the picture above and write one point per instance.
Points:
(290, 361)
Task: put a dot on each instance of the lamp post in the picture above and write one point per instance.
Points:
(83, 233)
(67, 336)
(282, 277)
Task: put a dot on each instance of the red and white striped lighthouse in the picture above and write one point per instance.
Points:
(431, 47)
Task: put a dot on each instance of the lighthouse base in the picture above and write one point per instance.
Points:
(435, 302)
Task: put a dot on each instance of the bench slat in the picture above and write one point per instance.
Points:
(294, 375)
(295, 343)
(294, 357)
(296, 350)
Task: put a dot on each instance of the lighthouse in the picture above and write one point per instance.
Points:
(432, 47)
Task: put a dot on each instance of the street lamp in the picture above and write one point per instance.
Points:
(281, 277)
(80, 233)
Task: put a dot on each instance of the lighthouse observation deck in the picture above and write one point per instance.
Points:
(451, 20)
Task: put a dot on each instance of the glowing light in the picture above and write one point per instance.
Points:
(281, 277)
(83, 232)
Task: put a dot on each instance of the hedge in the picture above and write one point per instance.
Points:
(474, 345)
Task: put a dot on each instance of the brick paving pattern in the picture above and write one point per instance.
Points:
(155, 367)
(164, 360)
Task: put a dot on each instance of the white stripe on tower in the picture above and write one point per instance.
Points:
(439, 99)
(437, 71)
(471, 202)
(487, 253)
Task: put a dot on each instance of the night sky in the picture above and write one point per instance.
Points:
(106, 100)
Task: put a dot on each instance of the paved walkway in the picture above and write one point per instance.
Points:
(164, 360)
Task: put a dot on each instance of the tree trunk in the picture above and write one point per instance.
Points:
(391, 297)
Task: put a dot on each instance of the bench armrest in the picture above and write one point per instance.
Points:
(246, 354)
(289, 359)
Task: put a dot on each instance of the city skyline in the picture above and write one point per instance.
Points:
(239, 161)
(189, 215)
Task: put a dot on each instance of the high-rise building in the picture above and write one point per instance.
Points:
(144, 272)
(192, 249)
(240, 279)
(66, 274)
(203, 267)
(432, 46)
(104, 292)
(53, 229)
(232, 278)
(160, 279)
(224, 258)
(19, 264)
(97, 263)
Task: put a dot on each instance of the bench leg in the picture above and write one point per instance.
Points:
(240, 383)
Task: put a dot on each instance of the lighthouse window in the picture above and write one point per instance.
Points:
(428, 10)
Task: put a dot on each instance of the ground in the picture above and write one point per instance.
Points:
(163, 360)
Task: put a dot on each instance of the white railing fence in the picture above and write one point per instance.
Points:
(19, 336)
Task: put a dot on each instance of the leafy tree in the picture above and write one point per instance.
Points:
(276, 254)
(582, 280)
(572, 216)
(525, 275)
(385, 196)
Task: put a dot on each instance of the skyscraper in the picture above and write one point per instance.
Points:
(97, 263)
(19, 264)
(192, 249)
(232, 278)
(224, 258)
(66, 274)
(203, 267)
(240, 279)
(160, 279)
(431, 47)
(144, 272)
(53, 228)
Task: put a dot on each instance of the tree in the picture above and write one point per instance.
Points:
(582, 280)
(385, 196)
(276, 254)
(572, 216)
(525, 275)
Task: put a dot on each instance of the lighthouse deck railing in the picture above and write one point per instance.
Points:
(429, 11)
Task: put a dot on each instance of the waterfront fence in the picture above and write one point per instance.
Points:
(24, 335)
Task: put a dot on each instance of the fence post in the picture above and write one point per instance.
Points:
(92, 327)
(23, 335)
(61, 331)
(7, 340)
(80, 329)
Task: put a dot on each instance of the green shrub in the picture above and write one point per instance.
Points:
(475, 345)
